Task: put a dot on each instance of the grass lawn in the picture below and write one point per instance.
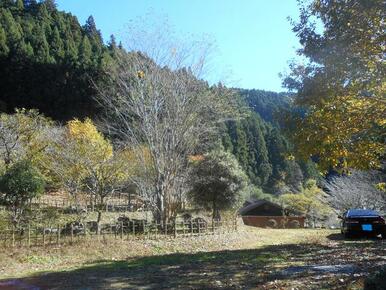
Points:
(252, 258)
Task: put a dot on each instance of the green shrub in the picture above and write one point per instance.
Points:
(18, 186)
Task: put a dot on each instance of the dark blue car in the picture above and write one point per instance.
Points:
(362, 222)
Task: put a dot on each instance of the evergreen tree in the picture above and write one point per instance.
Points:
(85, 51)
(277, 149)
(245, 139)
(7, 3)
(57, 44)
(39, 41)
(258, 159)
(4, 50)
(12, 29)
(50, 5)
(29, 3)
(20, 4)
(112, 43)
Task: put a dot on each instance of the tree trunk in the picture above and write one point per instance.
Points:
(100, 209)
(159, 213)
(214, 210)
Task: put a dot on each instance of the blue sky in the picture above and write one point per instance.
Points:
(253, 37)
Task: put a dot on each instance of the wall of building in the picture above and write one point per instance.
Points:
(264, 210)
(274, 221)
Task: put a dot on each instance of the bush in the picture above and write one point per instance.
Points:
(217, 182)
(19, 185)
(376, 281)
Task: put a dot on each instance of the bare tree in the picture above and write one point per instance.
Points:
(165, 109)
(356, 190)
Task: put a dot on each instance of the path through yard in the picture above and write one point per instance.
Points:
(250, 259)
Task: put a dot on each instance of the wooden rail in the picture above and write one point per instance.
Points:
(71, 233)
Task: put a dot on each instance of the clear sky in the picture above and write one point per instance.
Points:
(253, 37)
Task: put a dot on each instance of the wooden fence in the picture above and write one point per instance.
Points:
(113, 205)
(75, 232)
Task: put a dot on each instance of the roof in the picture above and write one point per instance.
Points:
(362, 212)
(255, 204)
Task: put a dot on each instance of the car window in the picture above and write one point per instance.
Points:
(361, 212)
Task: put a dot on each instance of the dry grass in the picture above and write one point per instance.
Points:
(250, 258)
(23, 261)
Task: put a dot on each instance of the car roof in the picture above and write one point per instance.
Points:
(362, 212)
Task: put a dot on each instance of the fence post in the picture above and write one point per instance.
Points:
(236, 224)
(85, 229)
(58, 236)
(29, 235)
(72, 233)
(166, 228)
(199, 227)
(121, 230)
(143, 228)
(13, 236)
(44, 235)
(183, 227)
(175, 228)
(191, 227)
(36, 237)
(134, 228)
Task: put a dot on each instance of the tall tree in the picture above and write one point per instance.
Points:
(169, 111)
(85, 51)
(217, 182)
(343, 86)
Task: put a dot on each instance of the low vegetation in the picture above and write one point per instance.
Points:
(252, 257)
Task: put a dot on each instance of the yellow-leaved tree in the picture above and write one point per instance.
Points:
(341, 89)
(310, 202)
(25, 135)
(84, 161)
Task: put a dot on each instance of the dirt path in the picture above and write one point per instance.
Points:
(251, 259)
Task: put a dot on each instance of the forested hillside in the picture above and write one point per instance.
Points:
(266, 103)
(47, 59)
(266, 155)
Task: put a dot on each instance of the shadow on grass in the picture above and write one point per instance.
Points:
(358, 237)
(211, 270)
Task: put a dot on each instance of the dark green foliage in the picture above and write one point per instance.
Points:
(267, 104)
(20, 183)
(245, 139)
(18, 186)
(262, 149)
(310, 171)
(217, 182)
(47, 60)
(278, 149)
